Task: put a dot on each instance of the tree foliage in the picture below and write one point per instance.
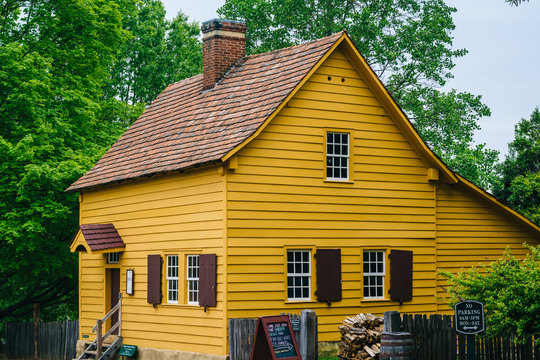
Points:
(157, 53)
(515, 2)
(54, 56)
(64, 66)
(509, 289)
(409, 45)
(519, 185)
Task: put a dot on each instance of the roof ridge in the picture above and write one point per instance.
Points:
(298, 45)
(245, 57)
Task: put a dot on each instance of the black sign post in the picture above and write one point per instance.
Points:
(274, 339)
(469, 320)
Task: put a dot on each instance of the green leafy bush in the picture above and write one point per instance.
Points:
(510, 290)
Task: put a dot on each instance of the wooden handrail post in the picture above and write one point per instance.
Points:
(120, 317)
(99, 340)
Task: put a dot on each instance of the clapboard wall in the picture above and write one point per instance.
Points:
(174, 215)
(278, 199)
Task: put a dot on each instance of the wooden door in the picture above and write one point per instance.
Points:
(115, 291)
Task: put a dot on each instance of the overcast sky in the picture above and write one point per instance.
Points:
(503, 63)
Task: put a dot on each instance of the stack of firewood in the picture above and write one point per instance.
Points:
(361, 337)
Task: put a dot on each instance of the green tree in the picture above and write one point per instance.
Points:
(157, 53)
(54, 57)
(408, 44)
(73, 76)
(509, 289)
(519, 185)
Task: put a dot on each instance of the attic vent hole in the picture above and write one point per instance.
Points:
(329, 78)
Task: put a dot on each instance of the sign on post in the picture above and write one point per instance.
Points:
(274, 339)
(469, 317)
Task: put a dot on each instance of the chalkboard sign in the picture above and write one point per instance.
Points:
(274, 339)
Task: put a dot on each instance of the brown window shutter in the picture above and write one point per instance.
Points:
(207, 280)
(401, 271)
(154, 279)
(328, 275)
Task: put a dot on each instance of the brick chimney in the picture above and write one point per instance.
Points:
(224, 43)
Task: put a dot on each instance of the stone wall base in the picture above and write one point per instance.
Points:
(145, 353)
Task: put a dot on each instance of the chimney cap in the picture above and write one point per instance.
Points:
(223, 24)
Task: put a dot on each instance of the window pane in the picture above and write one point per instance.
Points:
(297, 256)
(372, 255)
(298, 268)
(305, 256)
(379, 256)
(366, 267)
(290, 268)
(305, 268)
(372, 267)
(337, 149)
(290, 256)
(380, 267)
(344, 138)
(298, 293)
(343, 173)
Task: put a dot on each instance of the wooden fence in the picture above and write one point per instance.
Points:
(436, 339)
(242, 334)
(55, 340)
(499, 348)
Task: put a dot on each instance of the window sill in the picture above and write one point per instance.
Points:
(338, 181)
(375, 300)
(300, 301)
(184, 306)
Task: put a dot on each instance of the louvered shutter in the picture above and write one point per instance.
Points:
(328, 275)
(207, 280)
(401, 271)
(154, 280)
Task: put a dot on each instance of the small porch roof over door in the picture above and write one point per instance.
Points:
(97, 239)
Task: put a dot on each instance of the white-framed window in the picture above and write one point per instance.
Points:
(374, 273)
(113, 258)
(337, 156)
(192, 277)
(172, 279)
(298, 275)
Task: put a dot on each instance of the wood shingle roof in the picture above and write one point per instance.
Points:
(187, 127)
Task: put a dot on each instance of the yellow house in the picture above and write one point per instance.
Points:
(274, 183)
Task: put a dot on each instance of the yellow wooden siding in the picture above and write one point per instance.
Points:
(278, 198)
(176, 214)
(471, 231)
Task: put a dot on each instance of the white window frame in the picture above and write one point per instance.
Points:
(172, 279)
(113, 258)
(335, 156)
(192, 279)
(370, 277)
(296, 272)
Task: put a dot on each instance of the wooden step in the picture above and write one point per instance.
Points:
(110, 339)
